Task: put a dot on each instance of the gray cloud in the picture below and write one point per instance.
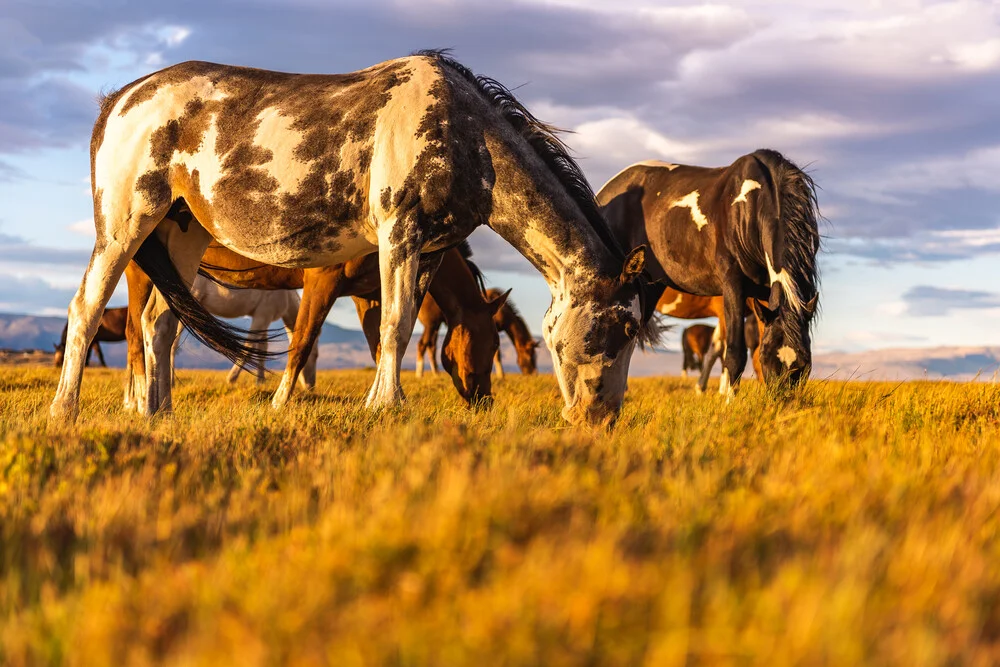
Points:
(893, 106)
(929, 301)
(17, 249)
(31, 295)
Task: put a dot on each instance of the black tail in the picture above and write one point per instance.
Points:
(227, 340)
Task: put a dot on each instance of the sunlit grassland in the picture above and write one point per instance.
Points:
(851, 523)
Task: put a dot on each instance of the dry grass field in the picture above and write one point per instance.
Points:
(849, 524)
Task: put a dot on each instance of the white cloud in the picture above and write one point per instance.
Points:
(83, 227)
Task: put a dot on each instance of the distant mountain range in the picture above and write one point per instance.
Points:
(346, 348)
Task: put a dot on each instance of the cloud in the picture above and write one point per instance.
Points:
(928, 301)
(891, 102)
(14, 249)
(32, 295)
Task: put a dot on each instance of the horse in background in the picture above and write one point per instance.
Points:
(110, 330)
(700, 345)
(690, 307)
(263, 306)
(695, 341)
(509, 320)
(746, 231)
(405, 158)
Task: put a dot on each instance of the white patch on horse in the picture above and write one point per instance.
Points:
(120, 163)
(788, 285)
(690, 201)
(395, 144)
(275, 132)
(747, 187)
(725, 388)
(787, 356)
(668, 308)
(717, 334)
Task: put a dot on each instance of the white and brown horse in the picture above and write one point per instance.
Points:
(404, 158)
(746, 231)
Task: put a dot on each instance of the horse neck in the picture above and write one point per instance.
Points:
(534, 213)
(516, 329)
(455, 289)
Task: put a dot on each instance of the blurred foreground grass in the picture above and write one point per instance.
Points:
(854, 523)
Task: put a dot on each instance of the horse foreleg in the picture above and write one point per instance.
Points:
(498, 364)
(398, 266)
(320, 289)
(715, 350)
(735, 359)
(308, 376)
(100, 355)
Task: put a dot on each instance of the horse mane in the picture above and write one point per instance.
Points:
(465, 250)
(798, 215)
(543, 139)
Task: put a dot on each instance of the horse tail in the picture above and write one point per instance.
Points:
(227, 340)
(794, 238)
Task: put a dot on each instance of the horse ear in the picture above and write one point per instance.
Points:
(811, 304)
(498, 302)
(763, 313)
(634, 264)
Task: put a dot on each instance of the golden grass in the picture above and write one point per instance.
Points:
(851, 524)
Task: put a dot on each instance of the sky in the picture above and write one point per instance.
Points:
(891, 105)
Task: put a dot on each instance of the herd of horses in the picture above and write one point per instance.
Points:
(220, 190)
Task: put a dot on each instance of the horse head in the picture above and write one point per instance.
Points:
(469, 347)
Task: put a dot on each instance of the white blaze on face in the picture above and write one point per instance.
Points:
(748, 187)
(275, 133)
(787, 356)
(668, 308)
(691, 201)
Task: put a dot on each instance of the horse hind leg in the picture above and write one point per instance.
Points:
(307, 379)
(398, 266)
(259, 333)
(117, 242)
(159, 324)
(320, 290)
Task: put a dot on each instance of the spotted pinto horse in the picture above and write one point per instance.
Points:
(747, 232)
(402, 159)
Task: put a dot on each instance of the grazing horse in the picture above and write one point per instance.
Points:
(701, 346)
(695, 341)
(469, 344)
(748, 230)
(110, 330)
(404, 158)
(685, 306)
(509, 320)
(263, 306)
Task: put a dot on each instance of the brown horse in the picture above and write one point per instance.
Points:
(470, 343)
(111, 330)
(700, 344)
(685, 306)
(507, 320)
(746, 231)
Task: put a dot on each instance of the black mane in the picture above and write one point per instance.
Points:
(544, 140)
(799, 218)
(465, 250)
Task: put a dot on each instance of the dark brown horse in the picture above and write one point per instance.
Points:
(507, 319)
(469, 344)
(748, 230)
(111, 330)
